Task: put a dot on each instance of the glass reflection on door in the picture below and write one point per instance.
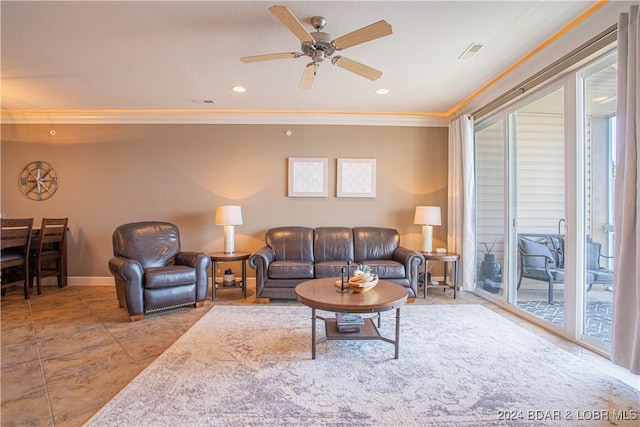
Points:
(490, 207)
(599, 87)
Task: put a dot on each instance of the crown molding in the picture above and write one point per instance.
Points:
(239, 117)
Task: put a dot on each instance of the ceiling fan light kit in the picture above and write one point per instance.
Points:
(321, 45)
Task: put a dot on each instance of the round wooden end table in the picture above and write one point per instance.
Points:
(453, 258)
(220, 256)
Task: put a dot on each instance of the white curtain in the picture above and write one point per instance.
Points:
(461, 218)
(625, 340)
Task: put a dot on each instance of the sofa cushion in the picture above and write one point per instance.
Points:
(291, 243)
(386, 269)
(174, 275)
(332, 244)
(333, 269)
(290, 270)
(374, 243)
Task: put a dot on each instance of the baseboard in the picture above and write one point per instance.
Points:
(108, 281)
(90, 281)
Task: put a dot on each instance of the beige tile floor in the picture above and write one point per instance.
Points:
(67, 352)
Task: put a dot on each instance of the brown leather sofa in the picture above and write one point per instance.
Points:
(295, 254)
(152, 273)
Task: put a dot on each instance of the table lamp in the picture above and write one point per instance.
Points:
(427, 216)
(229, 216)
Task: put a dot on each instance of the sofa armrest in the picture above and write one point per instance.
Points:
(413, 261)
(128, 275)
(262, 258)
(201, 262)
(260, 261)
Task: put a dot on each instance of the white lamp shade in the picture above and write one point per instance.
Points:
(427, 215)
(228, 215)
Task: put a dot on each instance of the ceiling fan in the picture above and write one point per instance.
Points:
(320, 46)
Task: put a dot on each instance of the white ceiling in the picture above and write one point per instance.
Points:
(148, 55)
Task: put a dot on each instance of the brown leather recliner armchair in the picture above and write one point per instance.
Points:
(152, 273)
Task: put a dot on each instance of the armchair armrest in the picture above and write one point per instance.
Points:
(128, 275)
(190, 258)
(201, 262)
(128, 270)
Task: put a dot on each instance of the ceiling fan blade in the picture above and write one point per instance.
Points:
(270, 56)
(308, 75)
(291, 22)
(357, 68)
(364, 34)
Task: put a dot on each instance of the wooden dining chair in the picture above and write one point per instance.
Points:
(48, 256)
(15, 240)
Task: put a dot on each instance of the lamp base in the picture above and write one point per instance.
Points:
(427, 238)
(229, 238)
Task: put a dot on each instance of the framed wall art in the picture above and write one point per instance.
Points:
(356, 178)
(308, 177)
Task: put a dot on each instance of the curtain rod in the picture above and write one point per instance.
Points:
(595, 44)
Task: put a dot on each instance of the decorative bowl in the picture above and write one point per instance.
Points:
(359, 285)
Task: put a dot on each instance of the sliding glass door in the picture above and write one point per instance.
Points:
(544, 182)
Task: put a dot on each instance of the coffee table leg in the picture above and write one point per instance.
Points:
(397, 344)
(313, 333)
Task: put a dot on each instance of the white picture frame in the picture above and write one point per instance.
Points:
(308, 177)
(356, 178)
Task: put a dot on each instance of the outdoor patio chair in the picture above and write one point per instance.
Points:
(597, 274)
(538, 262)
(542, 258)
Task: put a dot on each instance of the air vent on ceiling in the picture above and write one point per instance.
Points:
(203, 101)
(471, 51)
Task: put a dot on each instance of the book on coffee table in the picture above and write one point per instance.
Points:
(348, 322)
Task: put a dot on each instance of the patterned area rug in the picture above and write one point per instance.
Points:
(598, 316)
(459, 365)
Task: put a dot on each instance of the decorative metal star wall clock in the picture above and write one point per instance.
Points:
(39, 181)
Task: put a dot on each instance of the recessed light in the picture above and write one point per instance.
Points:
(382, 91)
(238, 89)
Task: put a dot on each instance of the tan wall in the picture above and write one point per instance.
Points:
(113, 174)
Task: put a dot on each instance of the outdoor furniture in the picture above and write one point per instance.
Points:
(542, 258)
(151, 271)
(601, 275)
(15, 241)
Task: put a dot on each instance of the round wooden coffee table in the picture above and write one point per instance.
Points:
(322, 294)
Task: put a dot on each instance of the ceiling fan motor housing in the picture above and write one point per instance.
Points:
(321, 49)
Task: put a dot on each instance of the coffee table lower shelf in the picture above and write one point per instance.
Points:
(368, 331)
